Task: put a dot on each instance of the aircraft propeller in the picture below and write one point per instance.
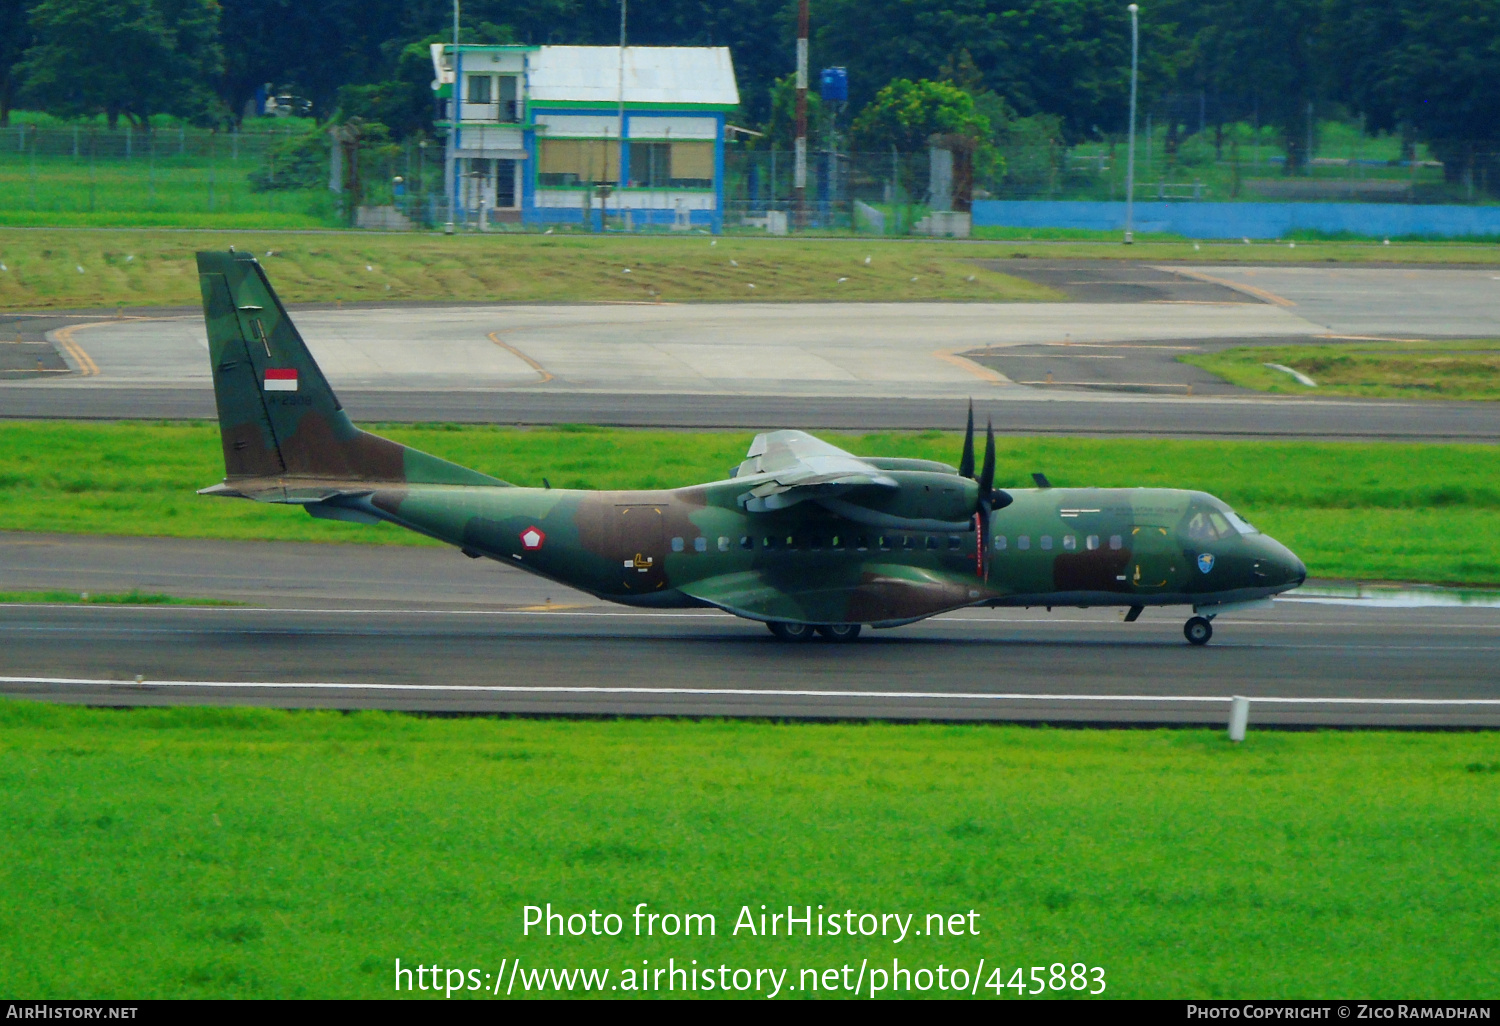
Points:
(989, 499)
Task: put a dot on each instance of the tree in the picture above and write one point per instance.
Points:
(1429, 67)
(1065, 57)
(15, 37)
(124, 57)
(403, 102)
(905, 114)
(781, 125)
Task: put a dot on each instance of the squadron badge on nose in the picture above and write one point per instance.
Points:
(1205, 561)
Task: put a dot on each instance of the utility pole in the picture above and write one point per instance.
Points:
(799, 165)
(1135, 47)
(453, 110)
(620, 169)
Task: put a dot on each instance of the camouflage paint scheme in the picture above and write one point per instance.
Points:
(803, 533)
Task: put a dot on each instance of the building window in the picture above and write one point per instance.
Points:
(479, 88)
(675, 165)
(509, 107)
(505, 184)
(577, 162)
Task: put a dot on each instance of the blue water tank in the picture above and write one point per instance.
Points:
(834, 85)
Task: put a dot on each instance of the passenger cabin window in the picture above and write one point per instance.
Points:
(1069, 542)
(999, 543)
(883, 543)
(1024, 542)
(1047, 542)
(932, 542)
(700, 544)
(723, 544)
(677, 545)
(1092, 542)
(747, 542)
(1115, 541)
(955, 541)
(908, 542)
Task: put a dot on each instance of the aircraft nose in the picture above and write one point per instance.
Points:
(1293, 570)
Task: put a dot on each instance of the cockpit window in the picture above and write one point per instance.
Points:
(1240, 524)
(1206, 524)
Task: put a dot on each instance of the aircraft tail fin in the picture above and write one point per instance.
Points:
(278, 417)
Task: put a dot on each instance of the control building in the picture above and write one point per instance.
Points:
(537, 133)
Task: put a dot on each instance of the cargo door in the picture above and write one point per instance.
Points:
(1153, 559)
(640, 548)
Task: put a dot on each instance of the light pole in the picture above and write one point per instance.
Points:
(799, 155)
(1135, 49)
(451, 172)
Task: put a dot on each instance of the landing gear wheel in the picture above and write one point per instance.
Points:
(839, 631)
(791, 631)
(1198, 630)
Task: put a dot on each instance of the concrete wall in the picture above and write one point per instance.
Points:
(1243, 220)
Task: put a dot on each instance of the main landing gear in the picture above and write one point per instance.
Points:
(841, 632)
(1198, 630)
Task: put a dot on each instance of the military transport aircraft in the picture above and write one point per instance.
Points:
(803, 536)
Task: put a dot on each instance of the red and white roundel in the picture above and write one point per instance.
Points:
(532, 538)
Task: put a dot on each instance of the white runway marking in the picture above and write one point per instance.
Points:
(740, 692)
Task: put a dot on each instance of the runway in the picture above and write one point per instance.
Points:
(851, 366)
(424, 629)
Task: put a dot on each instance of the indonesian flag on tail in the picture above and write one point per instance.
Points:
(281, 379)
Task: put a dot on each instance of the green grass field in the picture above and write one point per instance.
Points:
(112, 598)
(1354, 511)
(255, 853)
(155, 268)
(1386, 370)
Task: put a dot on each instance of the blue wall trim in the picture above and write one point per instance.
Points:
(1242, 220)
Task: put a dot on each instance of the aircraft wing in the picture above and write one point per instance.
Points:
(788, 467)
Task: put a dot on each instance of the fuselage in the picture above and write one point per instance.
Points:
(809, 563)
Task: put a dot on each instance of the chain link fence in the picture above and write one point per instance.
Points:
(277, 175)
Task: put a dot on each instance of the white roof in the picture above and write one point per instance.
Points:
(653, 74)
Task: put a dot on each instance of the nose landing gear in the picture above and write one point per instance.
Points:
(1198, 630)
